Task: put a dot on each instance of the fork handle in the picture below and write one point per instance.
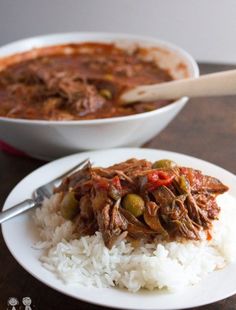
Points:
(17, 209)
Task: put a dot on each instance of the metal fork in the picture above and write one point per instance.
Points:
(44, 191)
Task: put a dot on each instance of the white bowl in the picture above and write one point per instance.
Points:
(52, 139)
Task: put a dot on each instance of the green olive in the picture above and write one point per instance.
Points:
(164, 163)
(184, 184)
(134, 204)
(69, 206)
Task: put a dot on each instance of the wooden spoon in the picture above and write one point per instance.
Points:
(215, 84)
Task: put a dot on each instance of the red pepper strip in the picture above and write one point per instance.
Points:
(116, 182)
(157, 175)
(158, 178)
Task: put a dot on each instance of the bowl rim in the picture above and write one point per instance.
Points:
(101, 36)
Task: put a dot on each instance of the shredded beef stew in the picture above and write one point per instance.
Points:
(84, 83)
(141, 201)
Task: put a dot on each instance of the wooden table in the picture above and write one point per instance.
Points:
(206, 128)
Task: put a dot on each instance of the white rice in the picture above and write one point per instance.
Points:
(174, 265)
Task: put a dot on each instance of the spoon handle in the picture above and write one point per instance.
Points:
(214, 84)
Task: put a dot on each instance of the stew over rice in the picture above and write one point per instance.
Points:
(140, 201)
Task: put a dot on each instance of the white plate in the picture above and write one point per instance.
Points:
(20, 235)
